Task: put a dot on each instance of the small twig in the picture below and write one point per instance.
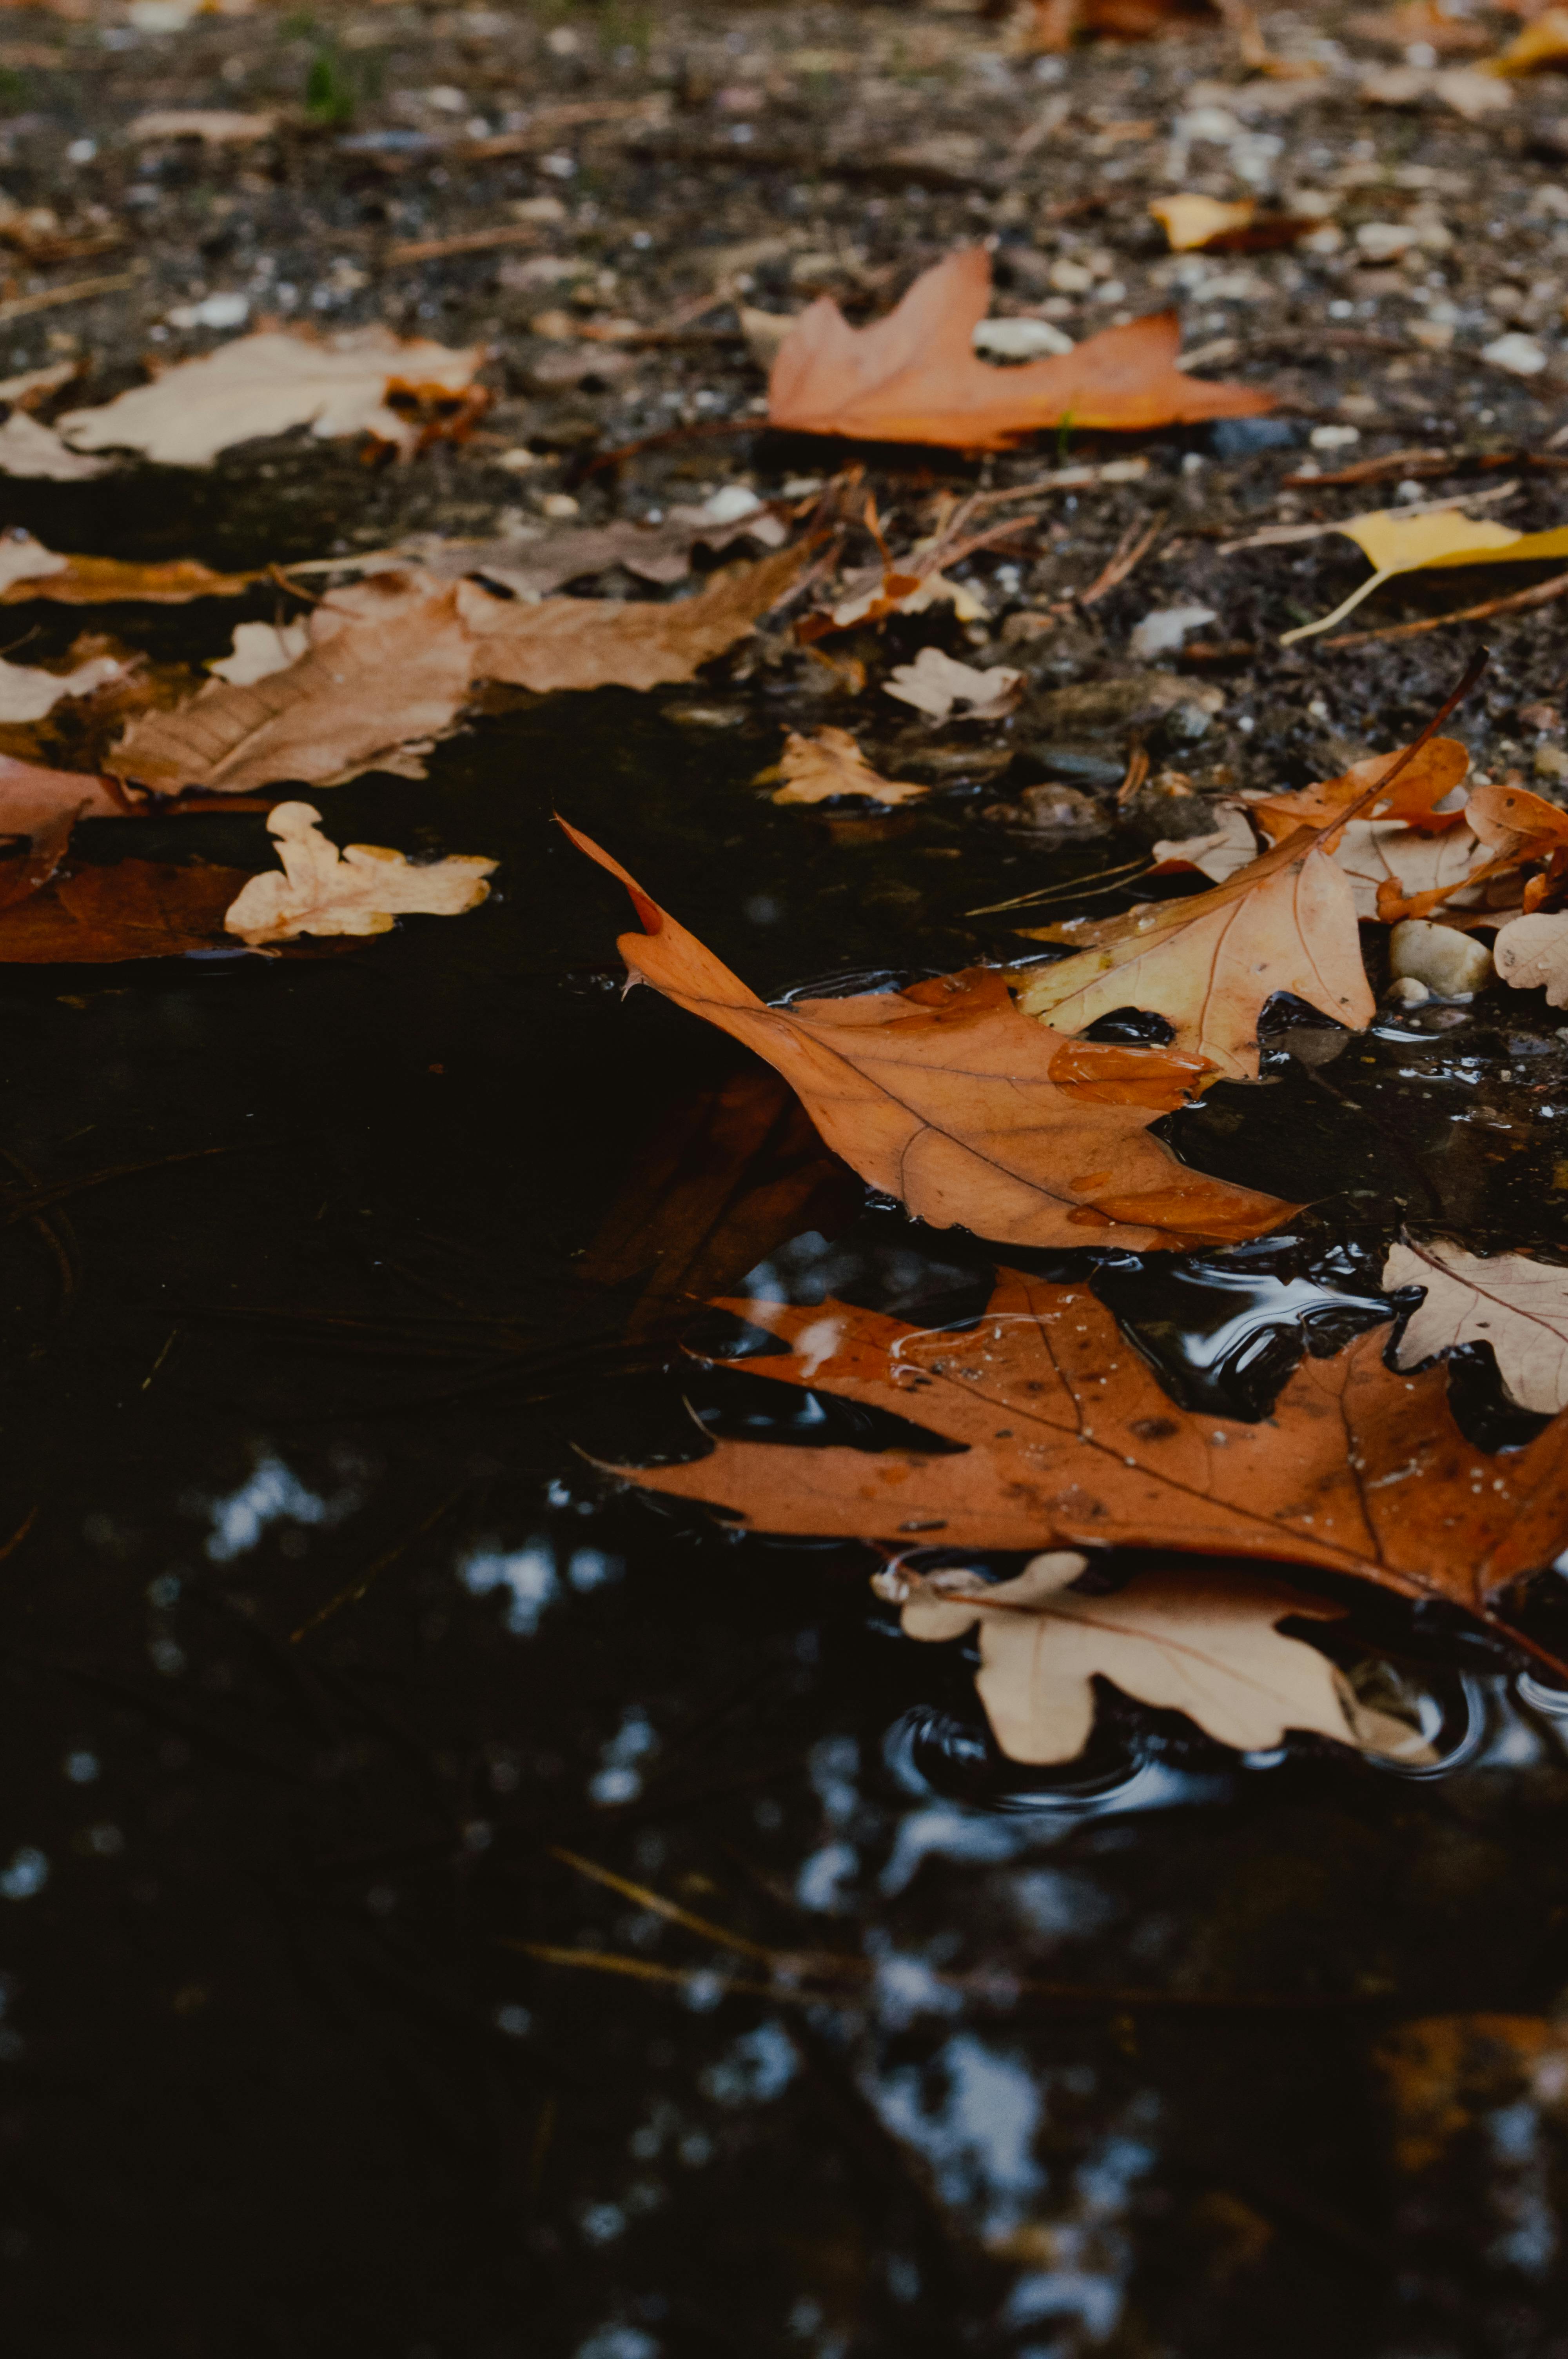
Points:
(467, 241)
(21, 306)
(1130, 551)
(750, 425)
(1516, 602)
(357, 1588)
(1137, 771)
(1054, 891)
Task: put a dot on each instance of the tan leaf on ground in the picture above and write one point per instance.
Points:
(949, 1098)
(1065, 1440)
(260, 650)
(934, 683)
(603, 643)
(387, 668)
(1231, 846)
(26, 694)
(1200, 1640)
(1191, 221)
(269, 382)
(362, 890)
(533, 564)
(1531, 954)
(1413, 544)
(915, 377)
(1285, 923)
(28, 569)
(28, 449)
(1518, 1306)
(830, 762)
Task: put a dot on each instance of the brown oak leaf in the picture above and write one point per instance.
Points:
(951, 1100)
(1067, 1441)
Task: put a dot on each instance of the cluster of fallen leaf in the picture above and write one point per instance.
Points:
(984, 1100)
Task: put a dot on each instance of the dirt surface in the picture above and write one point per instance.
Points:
(329, 1652)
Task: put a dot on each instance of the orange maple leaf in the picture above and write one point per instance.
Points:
(913, 376)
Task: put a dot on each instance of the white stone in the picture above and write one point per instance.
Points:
(1161, 634)
(1452, 965)
(1516, 351)
(1408, 993)
(1334, 438)
(1384, 240)
(1019, 339)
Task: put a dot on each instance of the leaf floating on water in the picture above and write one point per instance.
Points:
(913, 376)
(951, 1100)
(1531, 953)
(1068, 1441)
(1200, 1640)
(402, 391)
(136, 909)
(363, 890)
(829, 763)
(31, 797)
(1518, 1306)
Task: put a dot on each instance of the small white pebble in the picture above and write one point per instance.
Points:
(1451, 965)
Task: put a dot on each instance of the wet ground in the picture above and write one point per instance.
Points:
(408, 1830)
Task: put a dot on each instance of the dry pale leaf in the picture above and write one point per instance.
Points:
(1518, 1306)
(1191, 221)
(935, 682)
(1413, 544)
(1531, 954)
(1200, 1640)
(387, 668)
(532, 564)
(269, 382)
(949, 1098)
(28, 448)
(1065, 1440)
(1285, 923)
(362, 889)
(26, 694)
(913, 376)
(1231, 846)
(830, 762)
(603, 643)
(259, 649)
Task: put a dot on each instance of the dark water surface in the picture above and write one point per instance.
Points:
(335, 1667)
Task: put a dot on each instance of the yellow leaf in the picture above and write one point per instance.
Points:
(1544, 43)
(1410, 544)
(1190, 220)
